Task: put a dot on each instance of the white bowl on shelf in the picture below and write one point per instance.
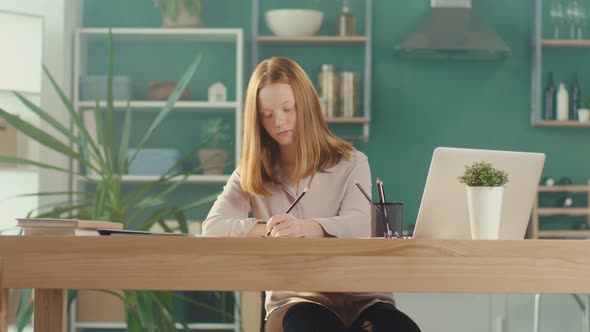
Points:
(294, 22)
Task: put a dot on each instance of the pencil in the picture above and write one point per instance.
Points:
(363, 191)
(384, 208)
(294, 203)
(367, 196)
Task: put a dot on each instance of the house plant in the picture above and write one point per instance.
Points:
(584, 110)
(180, 13)
(102, 197)
(213, 158)
(485, 187)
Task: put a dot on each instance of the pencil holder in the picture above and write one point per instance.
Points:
(387, 219)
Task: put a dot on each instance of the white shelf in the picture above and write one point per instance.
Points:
(163, 34)
(190, 179)
(313, 39)
(229, 105)
(570, 211)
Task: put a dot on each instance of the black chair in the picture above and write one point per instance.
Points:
(262, 311)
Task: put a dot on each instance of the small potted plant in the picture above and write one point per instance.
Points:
(584, 110)
(180, 13)
(213, 158)
(485, 188)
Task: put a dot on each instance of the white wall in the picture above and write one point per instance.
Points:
(60, 18)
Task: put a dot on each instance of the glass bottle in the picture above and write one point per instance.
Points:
(574, 97)
(562, 105)
(328, 90)
(348, 94)
(550, 99)
(346, 21)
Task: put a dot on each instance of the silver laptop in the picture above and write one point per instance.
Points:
(443, 212)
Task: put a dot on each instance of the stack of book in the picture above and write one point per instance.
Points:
(51, 226)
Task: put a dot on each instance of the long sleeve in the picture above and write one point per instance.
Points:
(229, 214)
(353, 219)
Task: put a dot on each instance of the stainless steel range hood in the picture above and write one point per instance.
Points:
(452, 31)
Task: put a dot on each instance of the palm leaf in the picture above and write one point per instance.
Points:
(22, 161)
(145, 311)
(125, 137)
(41, 136)
(182, 84)
(109, 123)
(71, 110)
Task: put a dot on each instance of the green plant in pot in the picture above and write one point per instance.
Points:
(584, 110)
(102, 196)
(485, 187)
(212, 157)
(180, 13)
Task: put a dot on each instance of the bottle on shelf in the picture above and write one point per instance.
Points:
(346, 21)
(328, 83)
(563, 101)
(567, 201)
(550, 99)
(348, 94)
(574, 97)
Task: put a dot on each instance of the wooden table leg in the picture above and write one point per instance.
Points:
(3, 309)
(3, 303)
(50, 310)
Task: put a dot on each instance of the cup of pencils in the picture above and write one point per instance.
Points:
(387, 219)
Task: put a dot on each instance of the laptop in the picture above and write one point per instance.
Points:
(443, 212)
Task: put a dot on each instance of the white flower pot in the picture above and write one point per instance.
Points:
(583, 115)
(485, 209)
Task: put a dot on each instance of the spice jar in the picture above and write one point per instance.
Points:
(328, 83)
(348, 94)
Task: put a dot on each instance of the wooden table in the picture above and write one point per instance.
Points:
(52, 264)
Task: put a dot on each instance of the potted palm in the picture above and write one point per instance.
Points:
(485, 187)
(103, 198)
(180, 13)
(213, 158)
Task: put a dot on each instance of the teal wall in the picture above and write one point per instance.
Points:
(419, 105)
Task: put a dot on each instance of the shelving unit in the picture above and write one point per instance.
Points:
(538, 44)
(83, 40)
(539, 212)
(353, 41)
(165, 35)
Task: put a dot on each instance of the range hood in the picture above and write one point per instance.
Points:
(452, 31)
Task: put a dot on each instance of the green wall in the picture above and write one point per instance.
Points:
(419, 105)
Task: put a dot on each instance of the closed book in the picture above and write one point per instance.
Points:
(68, 223)
(59, 231)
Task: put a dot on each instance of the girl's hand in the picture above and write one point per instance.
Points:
(287, 225)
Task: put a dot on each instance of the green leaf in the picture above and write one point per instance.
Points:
(73, 113)
(123, 147)
(182, 221)
(109, 122)
(40, 136)
(22, 161)
(182, 84)
(24, 311)
(146, 310)
(171, 10)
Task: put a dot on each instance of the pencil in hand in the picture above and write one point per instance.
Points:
(294, 203)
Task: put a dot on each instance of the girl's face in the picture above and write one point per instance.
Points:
(277, 112)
